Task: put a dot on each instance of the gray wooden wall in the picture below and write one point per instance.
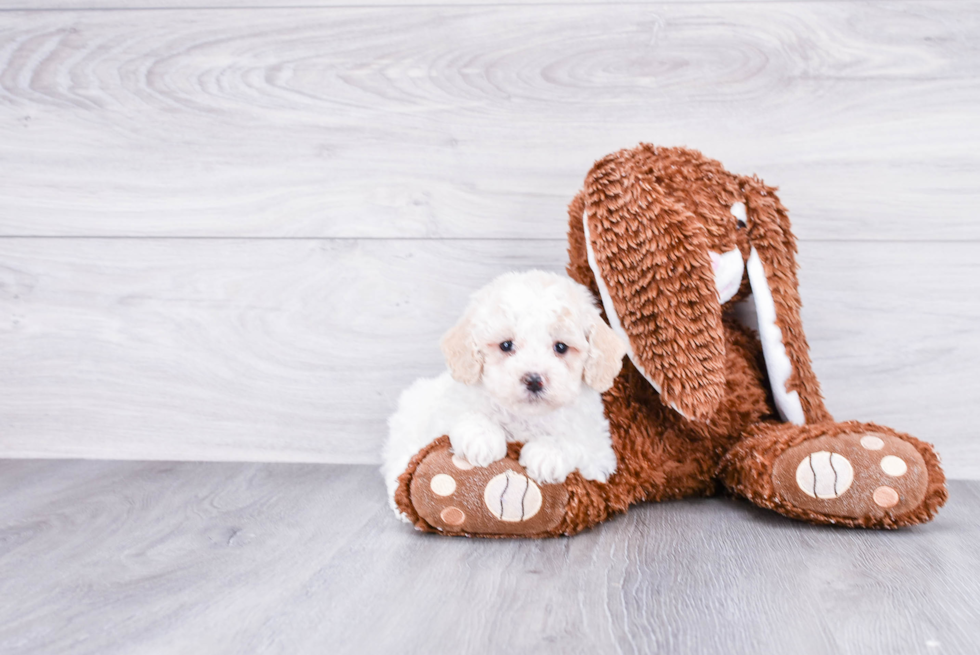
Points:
(237, 232)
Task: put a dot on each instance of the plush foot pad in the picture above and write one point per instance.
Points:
(861, 475)
(455, 497)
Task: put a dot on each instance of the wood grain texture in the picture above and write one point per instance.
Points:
(88, 5)
(337, 168)
(297, 350)
(250, 349)
(479, 121)
(126, 557)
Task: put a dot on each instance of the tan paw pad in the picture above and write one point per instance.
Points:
(512, 496)
(442, 485)
(893, 466)
(824, 475)
(885, 497)
(872, 443)
(461, 463)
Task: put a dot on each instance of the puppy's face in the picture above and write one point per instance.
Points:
(534, 353)
(532, 339)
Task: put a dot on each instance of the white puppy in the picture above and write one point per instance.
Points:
(517, 362)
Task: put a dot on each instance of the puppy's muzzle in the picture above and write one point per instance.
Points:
(533, 382)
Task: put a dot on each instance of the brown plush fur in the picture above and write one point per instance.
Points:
(653, 214)
(661, 282)
(660, 454)
(746, 471)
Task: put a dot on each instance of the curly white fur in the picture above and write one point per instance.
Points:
(485, 400)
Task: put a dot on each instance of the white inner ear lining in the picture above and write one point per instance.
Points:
(773, 349)
(728, 269)
(738, 211)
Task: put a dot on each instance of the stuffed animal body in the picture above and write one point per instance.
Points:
(671, 244)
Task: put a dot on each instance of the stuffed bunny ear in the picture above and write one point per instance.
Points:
(650, 260)
(771, 269)
(459, 347)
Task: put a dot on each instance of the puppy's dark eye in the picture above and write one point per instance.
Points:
(561, 348)
(507, 346)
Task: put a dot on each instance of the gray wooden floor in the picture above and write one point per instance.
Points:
(131, 557)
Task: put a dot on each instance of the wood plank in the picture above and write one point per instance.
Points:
(282, 349)
(297, 350)
(479, 121)
(125, 557)
(130, 5)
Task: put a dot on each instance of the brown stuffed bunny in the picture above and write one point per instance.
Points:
(670, 241)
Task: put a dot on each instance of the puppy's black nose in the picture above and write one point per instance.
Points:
(533, 382)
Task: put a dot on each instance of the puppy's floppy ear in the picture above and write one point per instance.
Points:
(461, 352)
(605, 360)
(650, 259)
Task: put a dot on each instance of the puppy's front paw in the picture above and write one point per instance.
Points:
(546, 462)
(599, 466)
(478, 439)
